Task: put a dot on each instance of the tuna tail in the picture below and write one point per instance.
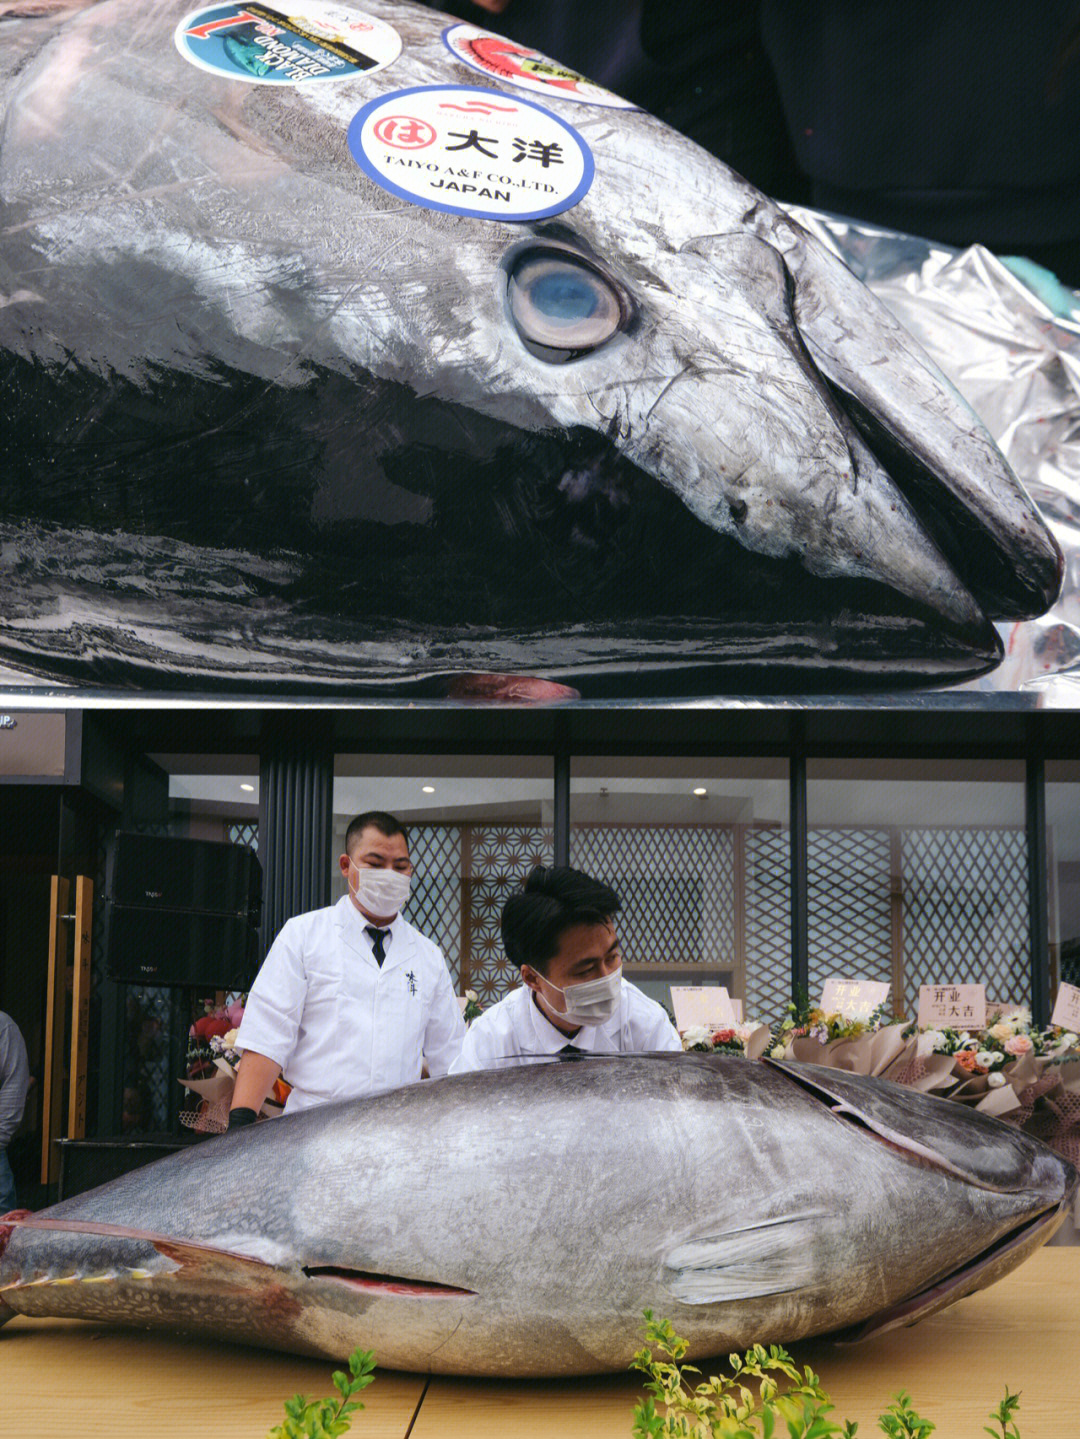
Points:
(87, 1270)
(7, 1227)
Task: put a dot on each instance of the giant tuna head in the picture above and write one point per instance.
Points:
(520, 1221)
(270, 419)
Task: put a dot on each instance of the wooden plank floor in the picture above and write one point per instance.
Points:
(91, 1382)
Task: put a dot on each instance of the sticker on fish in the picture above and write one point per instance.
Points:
(470, 151)
(515, 64)
(264, 45)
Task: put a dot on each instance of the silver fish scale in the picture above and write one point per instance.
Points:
(465, 1216)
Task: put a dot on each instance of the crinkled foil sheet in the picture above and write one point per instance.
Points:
(1013, 352)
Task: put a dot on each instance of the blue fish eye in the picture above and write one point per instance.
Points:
(562, 307)
(565, 297)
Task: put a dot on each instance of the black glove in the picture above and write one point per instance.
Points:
(239, 1117)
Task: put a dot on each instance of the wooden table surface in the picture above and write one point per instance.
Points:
(66, 1378)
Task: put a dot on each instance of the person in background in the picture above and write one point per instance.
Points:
(350, 999)
(702, 69)
(14, 1084)
(560, 932)
(953, 122)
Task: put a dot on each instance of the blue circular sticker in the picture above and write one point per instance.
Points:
(264, 45)
(470, 151)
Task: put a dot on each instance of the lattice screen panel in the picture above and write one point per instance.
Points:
(768, 922)
(676, 883)
(498, 859)
(434, 905)
(850, 922)
(244, 831)
(966, 911)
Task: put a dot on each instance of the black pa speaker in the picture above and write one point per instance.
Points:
(181, 911)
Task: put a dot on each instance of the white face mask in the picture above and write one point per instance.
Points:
(594, 1001)
(379, 891)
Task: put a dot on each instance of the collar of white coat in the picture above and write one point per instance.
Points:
(549, 1040)
(351, 925)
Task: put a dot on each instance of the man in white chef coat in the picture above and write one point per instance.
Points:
(350, 999)
(560, 932)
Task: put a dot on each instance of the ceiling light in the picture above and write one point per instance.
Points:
(428, 788)
(249, 788)
(701, 790)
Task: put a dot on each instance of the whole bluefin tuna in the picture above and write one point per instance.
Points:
(357, 347)
(519, 1222)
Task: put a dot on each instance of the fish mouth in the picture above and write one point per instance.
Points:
(1009, 578)
(992, 1264)
(386, 1285)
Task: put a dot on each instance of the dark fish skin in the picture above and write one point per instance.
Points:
(517, 1222)
(207, 485)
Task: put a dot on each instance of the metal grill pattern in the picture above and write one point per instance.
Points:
(850, 915)
(434, 905)
(676, 883)
(243, 832)
(768, 922)
(966, 911)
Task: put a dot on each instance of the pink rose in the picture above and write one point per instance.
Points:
(1019, 1044)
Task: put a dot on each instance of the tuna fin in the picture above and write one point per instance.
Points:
(771, 1257)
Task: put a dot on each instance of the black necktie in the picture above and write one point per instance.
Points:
(570, 1051)
(378, 939)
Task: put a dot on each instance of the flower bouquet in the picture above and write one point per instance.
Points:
(859, 1046)
(748, 1040)
(1027, 1076)
(211, 1071)
(471, 1009)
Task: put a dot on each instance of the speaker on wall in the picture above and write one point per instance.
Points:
(181, 911)
(167, 872)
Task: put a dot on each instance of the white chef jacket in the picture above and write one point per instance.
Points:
(514, 1031)
(340, 1026)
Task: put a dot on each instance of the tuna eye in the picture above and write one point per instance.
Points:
(561, 306)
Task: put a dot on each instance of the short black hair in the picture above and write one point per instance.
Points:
(378, 819)
(553, 901)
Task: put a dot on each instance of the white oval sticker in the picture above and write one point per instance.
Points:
(264, 45)
(471, 151)
(513, 64)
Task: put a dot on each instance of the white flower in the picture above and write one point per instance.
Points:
(1068, 1039)
(988, 1058)
(935, 1039)
(1021, 1017)
(778, 1051)
(228, 1041)
(470, 995)
(696, 1034)
(996, 1080)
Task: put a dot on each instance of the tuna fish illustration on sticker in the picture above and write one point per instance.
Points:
(351, 376)
(265, 45)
